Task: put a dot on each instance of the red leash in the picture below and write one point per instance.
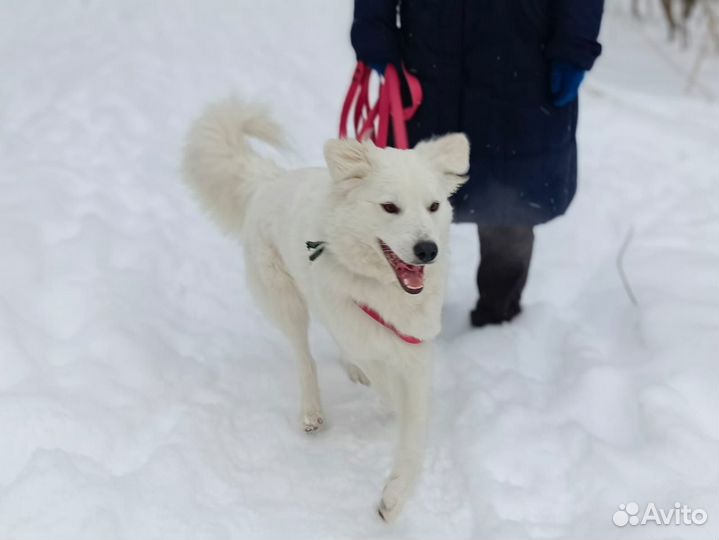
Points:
(377, 317)
(372, 121)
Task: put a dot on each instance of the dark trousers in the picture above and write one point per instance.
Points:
(505, 254)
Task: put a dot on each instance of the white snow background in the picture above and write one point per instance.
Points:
(143, 395)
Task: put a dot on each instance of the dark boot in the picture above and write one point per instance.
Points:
(503, 268)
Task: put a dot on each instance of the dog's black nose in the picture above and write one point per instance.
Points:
(425, 251)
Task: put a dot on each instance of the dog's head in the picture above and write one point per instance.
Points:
(389, 212)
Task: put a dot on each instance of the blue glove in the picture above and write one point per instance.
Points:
(565, 79)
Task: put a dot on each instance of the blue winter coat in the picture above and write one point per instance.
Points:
(484, 67)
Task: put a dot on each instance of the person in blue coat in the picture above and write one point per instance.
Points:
(506, 73)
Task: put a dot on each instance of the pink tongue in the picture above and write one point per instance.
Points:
(412, 278)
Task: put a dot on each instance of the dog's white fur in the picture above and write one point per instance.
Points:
(275, 212)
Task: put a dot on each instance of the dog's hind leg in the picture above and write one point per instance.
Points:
(312, 417)
(284, 304)
(411, 397)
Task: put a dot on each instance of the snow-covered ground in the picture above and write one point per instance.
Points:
(142, 395)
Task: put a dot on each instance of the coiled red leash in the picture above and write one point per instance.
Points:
(372, 121)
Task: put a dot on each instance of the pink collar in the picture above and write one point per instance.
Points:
(377, 317)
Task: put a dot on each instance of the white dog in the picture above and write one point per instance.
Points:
(376, 224)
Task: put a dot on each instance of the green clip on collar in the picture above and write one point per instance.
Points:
(317, 248)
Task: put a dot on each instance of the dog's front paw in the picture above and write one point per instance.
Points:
(312, 421)
(394, 496)
(357, 375)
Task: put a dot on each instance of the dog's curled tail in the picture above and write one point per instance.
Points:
(220, 165)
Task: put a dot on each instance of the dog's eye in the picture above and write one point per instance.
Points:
(390, 208)
(433, 207)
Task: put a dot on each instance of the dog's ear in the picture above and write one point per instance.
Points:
(449, 155)
(347, 159)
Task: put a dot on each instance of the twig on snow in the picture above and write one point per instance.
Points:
(620, 266)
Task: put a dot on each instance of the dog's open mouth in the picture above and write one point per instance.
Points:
(410, 276)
